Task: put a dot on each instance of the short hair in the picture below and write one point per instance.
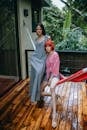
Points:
(42, 27)
(49, 43)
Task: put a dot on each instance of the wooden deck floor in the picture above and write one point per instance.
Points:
(72, 111)
(6, 83)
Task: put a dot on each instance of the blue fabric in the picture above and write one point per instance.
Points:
(37, 69)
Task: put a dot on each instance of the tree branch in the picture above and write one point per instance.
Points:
(69, 6)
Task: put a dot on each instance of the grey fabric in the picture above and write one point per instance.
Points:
(37, 70)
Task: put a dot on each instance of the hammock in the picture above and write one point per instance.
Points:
(79, 76)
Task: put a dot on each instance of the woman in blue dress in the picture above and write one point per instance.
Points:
(38, 64)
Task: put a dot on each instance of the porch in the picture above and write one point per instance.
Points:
(16, 112)
(6, 83)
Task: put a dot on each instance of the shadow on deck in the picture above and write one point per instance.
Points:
(6, 83)
(16, 112)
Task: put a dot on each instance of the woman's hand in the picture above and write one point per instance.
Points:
(49, 82)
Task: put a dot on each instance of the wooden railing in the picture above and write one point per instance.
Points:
(70, 61)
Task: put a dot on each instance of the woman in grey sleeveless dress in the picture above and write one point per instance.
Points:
(38, 64)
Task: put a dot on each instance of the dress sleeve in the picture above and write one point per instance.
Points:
(55, 65)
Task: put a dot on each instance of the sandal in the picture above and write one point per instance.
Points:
(54, 120)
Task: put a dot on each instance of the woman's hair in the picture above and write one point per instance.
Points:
(42, 27)
(49, 43)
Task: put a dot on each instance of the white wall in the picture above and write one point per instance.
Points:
(24, 39)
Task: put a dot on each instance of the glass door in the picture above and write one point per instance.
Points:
(9, 47)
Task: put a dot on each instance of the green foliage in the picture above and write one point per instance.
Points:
(53, 21)
(75, 41)
(79, 12)
(61, 25)
(67, 24)
(81, 5)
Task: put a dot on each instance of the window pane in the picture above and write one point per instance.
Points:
(35, 17)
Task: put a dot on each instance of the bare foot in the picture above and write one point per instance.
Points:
(54, 120)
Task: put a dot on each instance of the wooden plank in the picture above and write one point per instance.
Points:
(19, 115)
(75, 106)
(14, 113)
(84, 102)
(38, 121)
(68, 108)
(19, 99)
(23, 115)
(60, 108)
(11, 90)
(30, 111)
(68, 125)
(27, 102)
(6, 113)
(80, 107)
(71, 110)
(61, 93)
(31, 126)
(84, 94)
(63, 120)
(48, 125)
(46, 117)
(24, 128)
(8, 126)
(5, 100)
